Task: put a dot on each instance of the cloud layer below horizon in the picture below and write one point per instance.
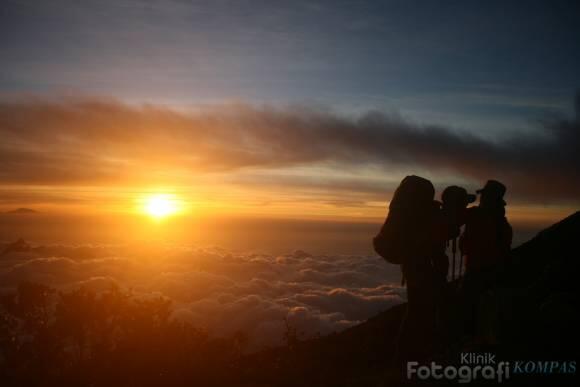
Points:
(223, 291)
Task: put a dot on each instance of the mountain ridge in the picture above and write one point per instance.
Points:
(536, 295)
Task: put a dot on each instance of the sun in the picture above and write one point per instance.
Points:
(160, 206)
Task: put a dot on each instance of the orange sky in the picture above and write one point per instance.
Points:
(104, 158)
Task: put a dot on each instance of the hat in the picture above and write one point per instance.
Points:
(493, 189)
(455, 194)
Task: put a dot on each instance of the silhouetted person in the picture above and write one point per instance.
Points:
(453, 214)
(454, 204)
(411, 236)
(486, 244)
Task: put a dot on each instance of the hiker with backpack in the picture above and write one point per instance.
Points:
(412, 236)
(485, 244)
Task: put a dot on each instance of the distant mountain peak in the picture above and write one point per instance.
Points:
(19, 246)
(22, 210)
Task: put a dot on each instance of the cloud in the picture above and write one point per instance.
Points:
(79, 141)
(222, 291)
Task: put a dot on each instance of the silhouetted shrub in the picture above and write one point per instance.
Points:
(84, 338)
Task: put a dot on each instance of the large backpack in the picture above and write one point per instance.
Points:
(411, 204)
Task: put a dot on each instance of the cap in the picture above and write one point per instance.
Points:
(456, 194)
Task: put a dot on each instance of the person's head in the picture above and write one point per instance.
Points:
(454, 197)
(492, 194)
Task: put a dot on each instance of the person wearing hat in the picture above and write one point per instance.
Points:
(485, 245)
(492, 194)
(488, 235)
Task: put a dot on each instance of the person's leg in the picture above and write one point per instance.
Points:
(471, 295)
(416, 335)
(442, 315)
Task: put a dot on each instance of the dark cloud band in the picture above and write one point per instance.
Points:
(78, 141)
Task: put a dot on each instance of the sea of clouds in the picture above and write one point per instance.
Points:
(224, 291)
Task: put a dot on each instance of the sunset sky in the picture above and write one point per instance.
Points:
(302, 110)
(235, 158)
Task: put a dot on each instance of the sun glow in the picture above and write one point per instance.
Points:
(160, 206)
